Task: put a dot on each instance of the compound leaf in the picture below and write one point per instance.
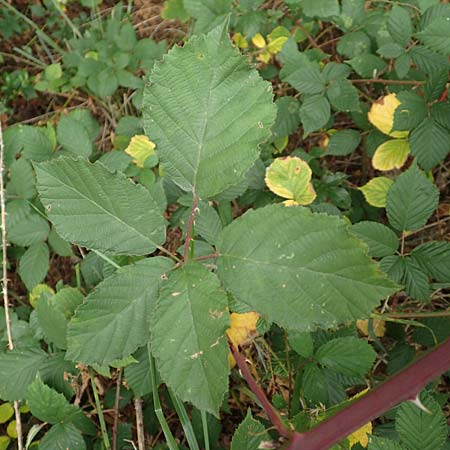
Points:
(301, 269)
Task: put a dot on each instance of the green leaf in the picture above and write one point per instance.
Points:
(49, 406)
(22, 179)
(73, 137)
(208, 13)
(381, 240)
(379, 443)
(34, 264)
(440, 112)
(301, 343)
(207, 222)
(94, 208)
(32, 142)
(430, 143)
(434, 259)
(174, 9)
(18, 368)
(288, 118)
(24, 226)
(322, 9)
(54, 314)
(436, 36)
(314, 113)
(390, 50)
(84, 116)
(354, 44)
(316, 275)
(138, 375)
(367, 65)
(249, 435)
(411, 111)
(206, 137)
(58, 244)
(399, 25)
(114, 319)
(62, 436)
(188, 336)
(415, 281)
(343, 96)
(343, 142)
(336, 71)
(411, 200)
(420, 430)
(308, 79)
(348, 355)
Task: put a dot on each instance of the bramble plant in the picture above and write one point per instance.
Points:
(273, 240)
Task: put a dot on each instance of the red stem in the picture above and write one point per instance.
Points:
(187, 242)
(271, 412)
(406, 385)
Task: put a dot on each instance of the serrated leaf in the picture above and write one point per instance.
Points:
(188, 336)
(436, 36)
(348, 355)
(430, 143)
(419, 430)
(290, 178)
(207, 222)
(206, 137)
(24, 226)
(379, 443)
(390, 50)
(249, 434)
(49, 406)
(288, 118)
(434, 259)
(415, 281)
(301, 343)
(343, 96)
(308, 79)
(411, 200)
(138, 375)
(62, 436)
(381, 240)
(399, 25)
(58, 244)
(22, 179)
(94, 208)
(18, 369)
(381, 115)
(343, 142)
(391, 155)
(314, 113)
(440, 112)
(208, 13)
(322, 9)
(410, 112)
(114, 319)
(74, 137)
(34, 264)
(310, 263)
(375, 191)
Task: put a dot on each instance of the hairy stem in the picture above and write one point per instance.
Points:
(5, 281)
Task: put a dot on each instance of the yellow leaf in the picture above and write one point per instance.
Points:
(391, 154)
(24, 409)
(11, 429)
(290, 178)
(37, 291)
(243, 326)
(375, 191)
(276, 45)
(258, 40)
(240, 40)
(140, 148)
(264, 57)
(6, 412)
(379, 327)
(381, 115)
(361, 436)
(4, 442)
